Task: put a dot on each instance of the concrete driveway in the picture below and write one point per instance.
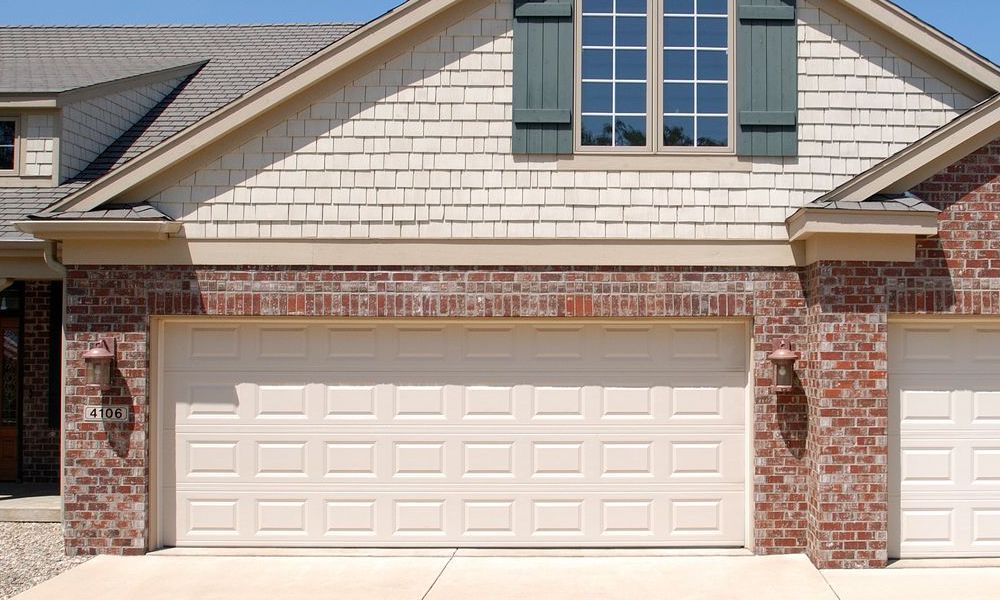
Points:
(469, 575)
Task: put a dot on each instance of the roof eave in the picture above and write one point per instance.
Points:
(808, 222)
(100, 229)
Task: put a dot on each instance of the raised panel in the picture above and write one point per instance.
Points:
(423, 459)
(213, 516)
(489, 516)
(281, 401)
(350, 459)
(493, 459)
(696, 516)
(927, 526)
(627, 517)
(559, 402)
(557, 517)
(927, 465)
(564, 459)
(928, 344)
(696, 343)
(419, 516)
(702, 459)
(561, 343)
(216, 459)
(627, 343)
(351, 402)
(350, 517)
(420, 402)
(986, 344)
(352, 343)
(926, 406)
(281, 517)
(488, 402)
(986, 407)
(627, 403)
(986, 526)
(214, 342)
(282, 343)
(986, 466)
(286, 459)
(489, 343)
(212, 401)
(421, 343)
(696, 403)
(627, 459)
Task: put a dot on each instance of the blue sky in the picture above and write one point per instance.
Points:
(973, 22)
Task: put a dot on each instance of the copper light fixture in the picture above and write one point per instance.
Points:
(100, 361)
(784, 366)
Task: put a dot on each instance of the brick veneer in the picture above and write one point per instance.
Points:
(820, 475)
(39, 438)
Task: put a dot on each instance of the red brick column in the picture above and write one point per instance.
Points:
(40, 439)
(846, 381)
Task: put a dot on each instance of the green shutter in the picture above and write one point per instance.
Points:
(543, 77)
(766, 78)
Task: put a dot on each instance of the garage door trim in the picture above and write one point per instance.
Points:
(158, 324)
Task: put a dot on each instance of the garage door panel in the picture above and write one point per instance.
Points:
(412, 458)
(502, 517)
(351, 348)
(944, 439)
(311, 433)
(224, 398)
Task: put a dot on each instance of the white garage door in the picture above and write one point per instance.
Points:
(944, 385)
(405, 434)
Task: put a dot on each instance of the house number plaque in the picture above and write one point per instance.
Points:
(107, 414)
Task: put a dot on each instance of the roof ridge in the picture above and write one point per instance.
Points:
(182, 25)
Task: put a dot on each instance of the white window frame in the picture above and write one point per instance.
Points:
(16, 120)
(654, 90)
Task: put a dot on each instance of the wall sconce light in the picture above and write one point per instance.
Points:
(100, 361)
(784, 366)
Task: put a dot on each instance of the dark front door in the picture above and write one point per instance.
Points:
(10, 393)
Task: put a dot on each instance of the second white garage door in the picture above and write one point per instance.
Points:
(405, 434)
(944, 386)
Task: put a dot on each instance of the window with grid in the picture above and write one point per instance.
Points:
(649, 65)
(8, 131)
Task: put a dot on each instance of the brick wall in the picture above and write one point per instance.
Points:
(106, 479)
(420, 148)
(40, 440)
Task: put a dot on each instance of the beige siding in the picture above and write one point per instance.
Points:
(420, 148)
(38, 136)
(90, 126)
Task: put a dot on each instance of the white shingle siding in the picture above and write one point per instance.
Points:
(38, 136)
(420, 148)
(90, 126)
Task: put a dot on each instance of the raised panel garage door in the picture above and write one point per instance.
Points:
(452, 434)
(944, 461)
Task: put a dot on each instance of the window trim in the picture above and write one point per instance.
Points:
(654, 91)
(16, 170)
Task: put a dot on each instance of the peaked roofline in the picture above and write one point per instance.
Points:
(56, 99)
(398, 22)
(922, 159)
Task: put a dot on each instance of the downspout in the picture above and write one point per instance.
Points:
(49, 256)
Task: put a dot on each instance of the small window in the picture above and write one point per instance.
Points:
(655, 65)
(8, 135)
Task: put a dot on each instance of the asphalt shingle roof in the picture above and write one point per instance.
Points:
(46, 75)
(110, 212)
(907, 202)
(240, 58)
